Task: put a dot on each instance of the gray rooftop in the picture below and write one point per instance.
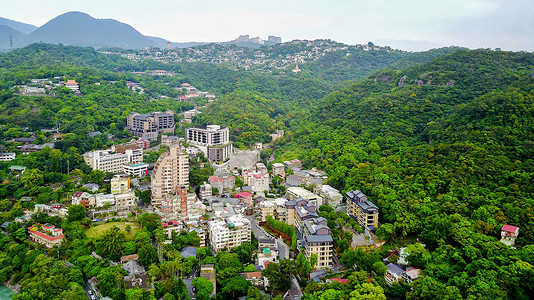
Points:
(319, 239)
(188, 252)
(395, 269)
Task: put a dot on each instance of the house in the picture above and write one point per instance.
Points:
(267, 255)
(411, 274)
(7, 156)
(244, 197)
(188, 252)
(393, 274)
(137, 276)
(72, 85)
(126, 258)
(254, 277)
(279, 170)
(172, 226)
(46, 234)
(509, 234)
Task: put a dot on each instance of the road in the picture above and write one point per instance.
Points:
(258, 232)
(295, 292)
(189, 284)
(283, 248)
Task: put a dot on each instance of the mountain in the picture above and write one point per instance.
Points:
(6, 34)
(162, 43)
(19, 26)
(80, 29)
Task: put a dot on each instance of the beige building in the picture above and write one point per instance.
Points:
(46, 234)
(330, 195)
(363, 210)
(125, 200)
(279, 169)
(170, 172)
(120, 184)
(229, 233)
(106, 161)
(294, 193)
(149, 126)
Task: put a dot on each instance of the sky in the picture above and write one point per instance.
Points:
(412, 25)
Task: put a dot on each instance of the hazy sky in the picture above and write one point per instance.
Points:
(408, 24)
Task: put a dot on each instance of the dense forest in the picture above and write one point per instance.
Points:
(441, 141)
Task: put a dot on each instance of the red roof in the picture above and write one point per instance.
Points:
(342, 281)
(215, 179)
(509, 228)
(252, 275)
(46, 237)
(129, 257)
(242, 194)
(77, 194)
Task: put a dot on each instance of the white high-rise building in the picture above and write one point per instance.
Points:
(212, 140)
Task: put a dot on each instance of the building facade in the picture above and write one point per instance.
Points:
(149, 126)
(361, 209)
(212, 140)
(229, 233)
(170, 173)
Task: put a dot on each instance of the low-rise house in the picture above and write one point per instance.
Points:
(137, 276)
(295, 163)
(245, 198)
(254, 277)
(266, 243)
(266, 255)
(46, 234)
(172, 226)
(222, 181)
(393, 274)
(125, 200)
(102, 199)
(410, 275)
(509, 234)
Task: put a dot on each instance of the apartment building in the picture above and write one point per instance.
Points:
(46, 234)
(222, 181)
(229, 233)
(279, 170)
(259, 182)
(125, 200)
(205, 191)
(7, 156)
(102, 199)
(149, 126)
(316, 236)
(330, 195)
(120, 184)
(212, 140)
(361, 209)
(106, 161)
(137, 170)
(294, 193)
(83, 198)
(171, 171)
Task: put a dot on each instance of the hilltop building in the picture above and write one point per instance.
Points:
(149, 126)
(46, 234)
(212, 140)
(72, 85)
(106, 161)
(509, 234)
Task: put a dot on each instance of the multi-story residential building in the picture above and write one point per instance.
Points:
(279, 170)
(361, 209)
(245, 198)
(229, 233)
(120, 184)
(393, 273)
(222, 181)
(172, 226)
(102, 199)
(205, 191)
(293, 193)
(170, 172)
(316, 235)
(330, 195)
(295, 163)
(137, 170)
(83, 198)
(46, 234)
(149, 126)
(201, 234)
(212, 140)
(267, 208)
(258, 181)
(106, 161)
(125, 200)
(7, 156)
(509, 234)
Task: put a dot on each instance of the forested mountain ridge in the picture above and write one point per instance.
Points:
(445, 151)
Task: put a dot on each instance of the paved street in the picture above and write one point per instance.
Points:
(258, 232)
(283, 248)
(189, 283)
(295, 292)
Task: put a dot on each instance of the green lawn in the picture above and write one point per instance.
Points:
(96, 231)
